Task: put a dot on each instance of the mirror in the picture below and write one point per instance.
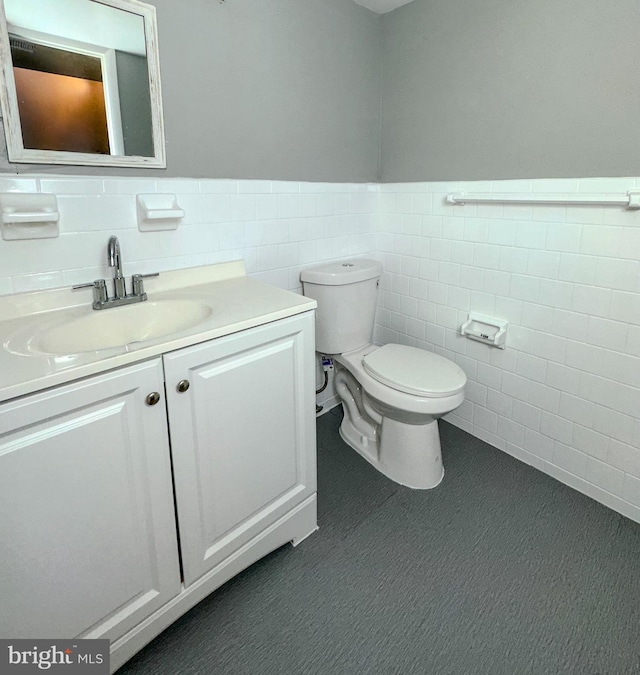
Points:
(81, 82)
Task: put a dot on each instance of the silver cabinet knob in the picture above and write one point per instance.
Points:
(153, 398)
(183, 385)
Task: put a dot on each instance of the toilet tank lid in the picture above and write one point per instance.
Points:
(342, 272)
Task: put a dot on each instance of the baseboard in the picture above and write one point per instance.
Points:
(579, 484)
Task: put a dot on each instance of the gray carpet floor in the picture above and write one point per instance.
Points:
(499, 570)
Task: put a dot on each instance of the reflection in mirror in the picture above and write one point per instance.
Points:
(81, 82)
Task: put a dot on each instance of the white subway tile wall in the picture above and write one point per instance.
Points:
(565, 394)
(276, 227)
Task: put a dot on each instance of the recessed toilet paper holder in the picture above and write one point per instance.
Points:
(485, 329)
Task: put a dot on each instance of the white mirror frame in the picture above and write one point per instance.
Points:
(11, 115)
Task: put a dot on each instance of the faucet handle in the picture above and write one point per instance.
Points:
(137, 283)
(99, 290)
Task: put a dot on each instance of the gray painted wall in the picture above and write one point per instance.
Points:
(278, 89)
(510, 88)
(290, 89)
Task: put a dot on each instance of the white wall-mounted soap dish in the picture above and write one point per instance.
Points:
(158, 212)
(29, 215)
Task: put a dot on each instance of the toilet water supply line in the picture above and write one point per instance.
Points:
(322, 388)
(327, 365)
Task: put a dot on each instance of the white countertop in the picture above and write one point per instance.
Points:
(239, 302)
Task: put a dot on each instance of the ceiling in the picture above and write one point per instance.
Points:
(382, 6)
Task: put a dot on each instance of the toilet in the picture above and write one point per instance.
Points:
(392, 395)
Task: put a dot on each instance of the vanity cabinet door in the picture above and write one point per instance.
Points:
(87, 530)
(242, 436)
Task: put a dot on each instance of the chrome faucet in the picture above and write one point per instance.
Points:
(101, 300)
(115, 260)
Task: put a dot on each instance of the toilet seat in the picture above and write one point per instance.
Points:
(414, 371)
(423, 403)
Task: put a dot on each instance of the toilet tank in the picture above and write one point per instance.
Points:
(346, 294)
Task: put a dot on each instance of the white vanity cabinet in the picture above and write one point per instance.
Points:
(87, 531)
(93, 472)
(242, 436)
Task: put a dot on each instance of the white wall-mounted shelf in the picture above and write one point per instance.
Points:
(158, 212)
(29, 215)
(629, 201)
(485, 329)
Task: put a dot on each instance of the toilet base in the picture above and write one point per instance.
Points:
(408, 454)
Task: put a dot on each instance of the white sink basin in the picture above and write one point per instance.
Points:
(120, 326)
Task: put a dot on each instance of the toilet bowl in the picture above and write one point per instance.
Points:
(392, 395)
(389, 420)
